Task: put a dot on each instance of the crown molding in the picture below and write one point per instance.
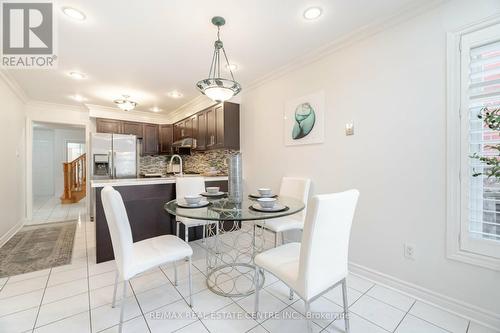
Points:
(366, 31)
(14, 86)
(99, 111)
(51, 106)
(185, 110)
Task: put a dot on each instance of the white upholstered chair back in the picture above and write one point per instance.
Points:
(119, 228)
(297, 188)
(325, 241)
(189, 186)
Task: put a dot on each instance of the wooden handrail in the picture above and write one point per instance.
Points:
(75, 179)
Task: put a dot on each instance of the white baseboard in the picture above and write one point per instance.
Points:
(12, 231)
(460, 308)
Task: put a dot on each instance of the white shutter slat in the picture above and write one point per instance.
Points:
(483, 91)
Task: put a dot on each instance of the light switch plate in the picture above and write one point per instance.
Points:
(349, 129)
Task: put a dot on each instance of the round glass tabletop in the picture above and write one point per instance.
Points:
(223, 210)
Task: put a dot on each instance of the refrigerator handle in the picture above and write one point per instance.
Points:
(114, 167)
(111, 164)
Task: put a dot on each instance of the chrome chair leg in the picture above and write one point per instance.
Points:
(308, 317)
(203, 237)
(113, 305)
(190, 285)
(176, 278)
(122, 310)
(257, 290)
(346, 306)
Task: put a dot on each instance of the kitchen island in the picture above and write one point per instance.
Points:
(144, 199)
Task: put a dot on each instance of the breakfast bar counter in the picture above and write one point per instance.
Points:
(144, 199)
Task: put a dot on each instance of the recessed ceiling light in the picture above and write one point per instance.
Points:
(74, 13)
(78, 98)
(232, 67)
(174, 94)
(155, 109)
(77, 75)
(312, 13)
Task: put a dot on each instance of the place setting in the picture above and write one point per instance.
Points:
(193, 201)
(266, 201)
(263, 193)
(213, 192)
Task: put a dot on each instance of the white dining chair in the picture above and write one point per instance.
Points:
(319, 263)
(190, 186)
(135, 258)
(297, 188)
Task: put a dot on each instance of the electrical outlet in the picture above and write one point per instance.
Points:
(409, 251)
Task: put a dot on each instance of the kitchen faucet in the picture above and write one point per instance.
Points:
(180, 163)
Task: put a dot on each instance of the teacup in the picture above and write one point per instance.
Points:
(212, 190)
(266, 202)
(193, 199)
(265, 192)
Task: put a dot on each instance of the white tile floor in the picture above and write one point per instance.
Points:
(47, 209)
(77, 298)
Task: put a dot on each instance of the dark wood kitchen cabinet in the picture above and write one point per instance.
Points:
(108, 126)
(223, 126)
(201, 130)
(166, 133)
(187, 129)
(133, 128)
(178, 131)
(150, 140)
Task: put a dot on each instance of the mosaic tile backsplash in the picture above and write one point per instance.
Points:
(198, 162)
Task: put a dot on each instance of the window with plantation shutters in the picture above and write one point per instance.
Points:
(479, 230)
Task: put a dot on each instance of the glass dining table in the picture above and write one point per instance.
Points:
(232, 240)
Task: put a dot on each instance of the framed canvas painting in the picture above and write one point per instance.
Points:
(304, 120)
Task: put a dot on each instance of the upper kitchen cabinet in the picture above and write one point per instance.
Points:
(150, 139)
(136, 129)
(200, 134)
(166, 133)
(223, 126)
(108, 126)
(178, 131)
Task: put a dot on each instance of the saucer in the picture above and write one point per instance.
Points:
(218, 194)
(258, 196)
(184, 204)
(277, 208)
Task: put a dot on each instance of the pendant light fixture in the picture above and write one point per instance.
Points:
(215, 86)
(125, 103)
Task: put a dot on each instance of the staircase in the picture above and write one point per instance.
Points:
(75, 180)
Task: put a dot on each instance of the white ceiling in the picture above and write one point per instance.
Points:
(148, 48)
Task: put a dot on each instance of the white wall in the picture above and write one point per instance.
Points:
(43, 162)
(393, 86)
(12, 166)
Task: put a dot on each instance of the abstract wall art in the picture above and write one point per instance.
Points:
(304, 120)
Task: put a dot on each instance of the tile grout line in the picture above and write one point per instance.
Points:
(88, 274)
(41, 300)
(138, 304)
(406, 314)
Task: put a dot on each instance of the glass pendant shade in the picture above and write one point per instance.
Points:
(125, 104)
(215, 86)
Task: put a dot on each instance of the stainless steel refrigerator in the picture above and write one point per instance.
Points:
(113, 156)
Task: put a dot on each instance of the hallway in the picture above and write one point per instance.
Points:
(47, 209)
